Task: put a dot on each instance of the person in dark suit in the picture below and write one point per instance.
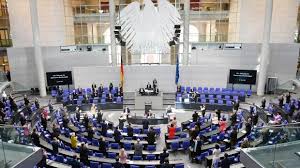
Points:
(254, 118)
(104, 128)
(117, 135)
(94, 86)
(163, 156)
(195, 116)
(37, 103)
(236, 105)
(56, 131)
(22, 119)
(117, 164)
(99, 116)
(35, 138)
(281, 100)
(26, 101)
(102, 145)
(288, 98)
(248, 126)
(2, 105)
(225, 163)
(166, 164)
(43, 162)
(66, 121)
(148, 86)
(142, 91)
(84, 157)
(263, 103)
(218, 112)
(90, 132)
(14, 106)
(151, 136)
(196, 147)
(126, 110)
(111, 86)
(292, 109)
(145, 124)
(75, 163)
(138, 148)
(55, 146)
(233, 138)
(86, 121)
(233, 118)
(129, 130)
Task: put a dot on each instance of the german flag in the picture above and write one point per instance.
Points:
(122, 73)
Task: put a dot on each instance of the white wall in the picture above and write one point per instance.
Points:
(138, 76)
(284, 20)
(51, 22)
(21, 61)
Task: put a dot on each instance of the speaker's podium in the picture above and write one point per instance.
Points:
(147, 102)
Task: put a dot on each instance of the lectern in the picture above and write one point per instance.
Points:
(148, 106)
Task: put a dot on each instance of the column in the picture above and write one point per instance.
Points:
(37, 48)
(265, 49)
(112, 34)
(186, 32)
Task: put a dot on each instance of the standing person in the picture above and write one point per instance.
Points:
(35, 138)
(233, 138)
(263, 103)
(218, 112)
(129, 130)
(163, 156)
(172, 131)
(225, 163)
(138, 148)
(102, 145)
(84, 157)
(73, 140)
(216, 156)
(196, 148)
(195, 116)
(233, 118)
(56, 131)
(26, 101)
(145, 124)
(55, 146)
(111, 86)
(123, 156)
(122, 119)
(154, 84)
(50, 106)
(203, 110)
(37, 103)
(222, 125)
(86, 121)
(236, 105)
(288, 98)
(44, 121)
(104, 128)
(77, 113)
(117, 135)
(151, 136)
(90, 132)
(254, 118)
(99, 116)
(248, 126)
(22, 119)
(281, 100)
(75, 163)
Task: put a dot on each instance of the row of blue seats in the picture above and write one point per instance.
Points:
(210, 96)
(88, 91)
(209, 101)
(95, 100)
(69, 160)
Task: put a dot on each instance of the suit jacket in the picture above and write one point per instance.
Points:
(130, 131)
(138, 149)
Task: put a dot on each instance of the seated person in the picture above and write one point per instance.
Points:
(178, 88)
(142, 91)
(277, 119)
(148, 86)
(110, 98)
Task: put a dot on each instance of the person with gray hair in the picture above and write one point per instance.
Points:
(138, 148)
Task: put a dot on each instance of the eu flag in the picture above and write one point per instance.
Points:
(177, 70)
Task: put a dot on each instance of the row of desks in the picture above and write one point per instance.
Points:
(64, 152)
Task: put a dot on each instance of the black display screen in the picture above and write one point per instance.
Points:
(59, 78)
(237, 76)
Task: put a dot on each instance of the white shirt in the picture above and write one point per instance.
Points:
(4, 95)
(216, 154)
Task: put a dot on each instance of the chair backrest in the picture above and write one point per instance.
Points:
(151, 148)
(100, 155)
(150, 157)
(179, 165)
(94, 164)
(106, 165)
(127, 146)
(137, 158)
(60, 158)
(112, 155)
(186, 144)
(134, 166)
(174, 145)
(114, 146)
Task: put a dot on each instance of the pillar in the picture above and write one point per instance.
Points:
(265, 49)
(112, 11)
(186, 32)
(37, 48)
